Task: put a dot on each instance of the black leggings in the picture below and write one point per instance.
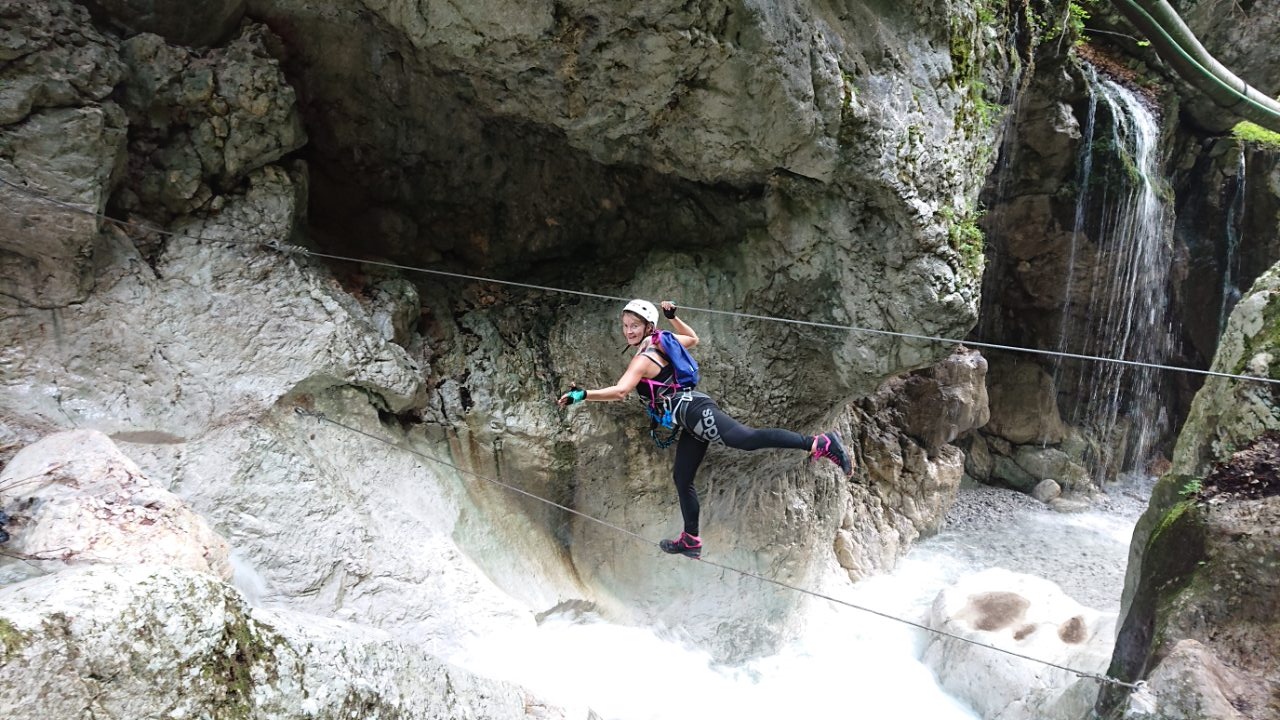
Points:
(703, 424)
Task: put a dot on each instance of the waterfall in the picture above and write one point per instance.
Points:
(1231, 263)
(1117, 282)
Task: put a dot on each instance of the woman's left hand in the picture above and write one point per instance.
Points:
(669, 309)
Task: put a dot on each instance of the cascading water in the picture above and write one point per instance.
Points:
(1117, 282)
(1231, 263)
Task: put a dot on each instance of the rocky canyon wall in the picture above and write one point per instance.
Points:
(807, 160)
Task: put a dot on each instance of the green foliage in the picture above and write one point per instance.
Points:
(1191, 487)
(1052, 26)
(1168, 519)
(986, 13)
(965, 236)
(968, 58)
(1256, 134)
(987, 111)
(11, 639)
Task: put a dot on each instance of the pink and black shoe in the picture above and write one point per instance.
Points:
(687, 545)
(828, 445)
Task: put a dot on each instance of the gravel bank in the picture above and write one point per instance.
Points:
(1084, 553)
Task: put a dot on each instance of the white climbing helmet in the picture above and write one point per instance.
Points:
(644, 309)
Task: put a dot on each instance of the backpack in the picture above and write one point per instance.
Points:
(684, 377)
(686, 368)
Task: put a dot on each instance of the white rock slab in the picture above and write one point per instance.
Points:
(163, 642)
(73, 498)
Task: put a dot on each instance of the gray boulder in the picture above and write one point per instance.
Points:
(1046, 490)
(73, 499)
(1047, 463)
(1024, 405)
(1008, 471)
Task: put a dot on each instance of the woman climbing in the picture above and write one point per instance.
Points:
(699, 421)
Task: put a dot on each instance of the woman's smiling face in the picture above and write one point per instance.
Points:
(633, 328)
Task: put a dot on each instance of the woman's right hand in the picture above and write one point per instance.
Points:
(575, 395)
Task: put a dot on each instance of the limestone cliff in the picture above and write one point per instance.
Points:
(1200, 595)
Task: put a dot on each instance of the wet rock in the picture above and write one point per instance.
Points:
(1069, 505)
(1023, 614)
(948, 399)
(978, 462)
(1008, 471)
(76, 499)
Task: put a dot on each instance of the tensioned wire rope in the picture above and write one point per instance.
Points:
(293, 249)
(299, 250)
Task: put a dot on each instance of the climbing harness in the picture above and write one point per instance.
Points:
(321, 417)
(666, 410)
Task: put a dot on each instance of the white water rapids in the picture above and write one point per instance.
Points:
(848, 662)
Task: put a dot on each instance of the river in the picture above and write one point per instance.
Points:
(848, 662)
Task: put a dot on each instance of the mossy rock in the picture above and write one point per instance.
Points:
(1173, 555)
(12, 640)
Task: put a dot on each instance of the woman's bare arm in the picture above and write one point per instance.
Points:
(640, 368)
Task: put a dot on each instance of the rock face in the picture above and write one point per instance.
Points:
(1205, 652)
(1188, 547)
(164, 642)
(202, 22)
(1227, 413)
(1027, 615)
(909, 475)
(60, 137)
(73, 499)
(778, 143)
(1024, 407)
(1229, 223)
(1238, 35)
(200, 123)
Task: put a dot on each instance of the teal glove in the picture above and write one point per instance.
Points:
(576, 395)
